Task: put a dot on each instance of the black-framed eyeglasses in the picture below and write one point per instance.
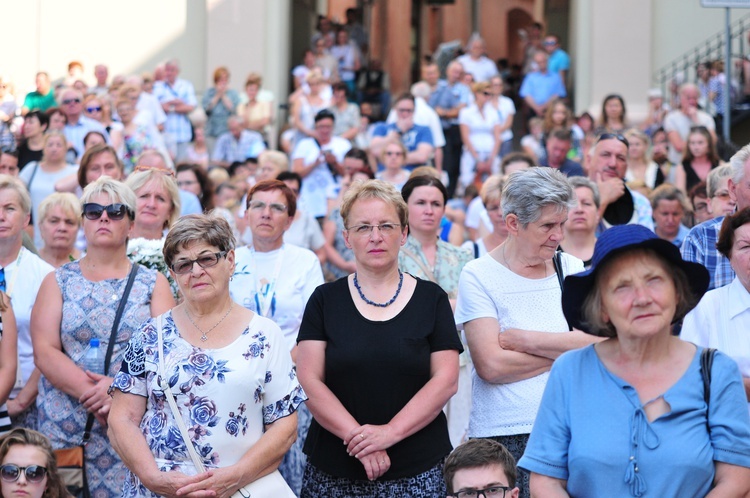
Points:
(616, 136)
(207, 260)
(491, 492)
(33, 473)
(115, 212)
(71, 101)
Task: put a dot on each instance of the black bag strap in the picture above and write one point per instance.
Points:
(707, 360)
(112, 338)
(557, 263)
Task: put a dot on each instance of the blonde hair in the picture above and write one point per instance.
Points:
(139, 179)
(65, 200)
(114, 189)
(13, 183)
(278, 159)
(374, 189)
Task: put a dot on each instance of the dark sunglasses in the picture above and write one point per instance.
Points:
(616, 136)
(487, 94)
(93, 211)
(11, 473)
(71, 101)
(94, 109)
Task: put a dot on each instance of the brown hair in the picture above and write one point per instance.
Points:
(213, 230)
(728, 227)
(270, 185)
(27, 437)
(479, 453)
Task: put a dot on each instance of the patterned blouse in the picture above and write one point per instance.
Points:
(225, 395)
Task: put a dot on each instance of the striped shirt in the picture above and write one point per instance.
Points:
(177, 125)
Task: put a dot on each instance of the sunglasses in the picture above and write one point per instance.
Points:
(33, 473)
(616, 136)
(94, 109)
(115, 212)
(71, 101)
(143, 167)
(487, 94)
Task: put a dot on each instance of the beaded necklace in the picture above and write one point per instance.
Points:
(373, 303)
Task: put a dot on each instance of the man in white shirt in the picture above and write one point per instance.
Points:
(474, 62)
(177, 99)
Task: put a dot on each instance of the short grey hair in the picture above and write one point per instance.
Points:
(715, 176)
(117, 192)
(527, 192)
(12, 183)
(421, 89)
(737, 162)
(582, 181)
(211, 229)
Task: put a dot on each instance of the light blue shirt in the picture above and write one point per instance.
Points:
(541, 87)
(591, 430)
(189, 203)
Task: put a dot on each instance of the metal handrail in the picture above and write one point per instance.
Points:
(710, 49)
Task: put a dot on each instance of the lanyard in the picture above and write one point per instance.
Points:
(266, 302)
(12, 282)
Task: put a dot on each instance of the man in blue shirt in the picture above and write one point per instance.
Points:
(559, 60)
(700, 243)
(78, 125)
(417, 139)
(448, 98)
(542, 86)
(558, 146)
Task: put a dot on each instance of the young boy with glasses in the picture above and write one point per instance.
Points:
(480, 468)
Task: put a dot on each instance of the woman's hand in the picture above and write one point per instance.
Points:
(171, 484)
(366, 439)
(96, 400)
(376, 464)
(219, 483)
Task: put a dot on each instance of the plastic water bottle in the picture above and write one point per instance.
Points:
(92, 357)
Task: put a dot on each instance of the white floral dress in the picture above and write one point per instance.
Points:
(225, 395)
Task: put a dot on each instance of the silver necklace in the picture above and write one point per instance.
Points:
(204, 334)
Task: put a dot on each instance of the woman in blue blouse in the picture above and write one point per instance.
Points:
(629, 416)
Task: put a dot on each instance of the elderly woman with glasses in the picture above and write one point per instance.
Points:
(275, 280)
(641, 413)
(378, 358)
(78, 303)
(509, 307)
(228, 370)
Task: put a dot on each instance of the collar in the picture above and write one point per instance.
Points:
(739, 302)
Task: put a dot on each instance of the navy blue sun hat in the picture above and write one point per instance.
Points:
(614, 241)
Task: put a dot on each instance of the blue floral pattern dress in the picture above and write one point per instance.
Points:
(225, 395)
(88, 311)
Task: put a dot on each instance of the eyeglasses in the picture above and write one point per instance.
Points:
(204, 261)
(115, 212)
(276, 207)
(405, 111)
(391, 153)
(491, 492)
(487, 94)
(699, 207)
(550, 43)
(722, 194)
(71, 101)
(33, 473)
(385, 228)
(616, 136)
(94, 109)
(186, 183)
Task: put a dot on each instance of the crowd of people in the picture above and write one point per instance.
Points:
(467, 265)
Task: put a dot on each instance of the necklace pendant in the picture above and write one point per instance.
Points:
(204, 338)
